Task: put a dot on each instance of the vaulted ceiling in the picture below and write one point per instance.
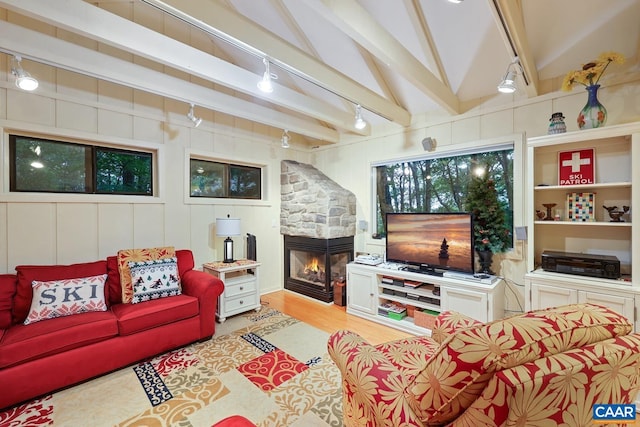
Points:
(401, 60)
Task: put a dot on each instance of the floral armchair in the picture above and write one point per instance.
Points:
(546, 367)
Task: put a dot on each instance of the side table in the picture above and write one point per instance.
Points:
(241, 286)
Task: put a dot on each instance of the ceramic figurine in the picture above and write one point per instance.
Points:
(556, 124)
(615, 213)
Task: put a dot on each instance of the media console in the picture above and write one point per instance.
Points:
(372, 289)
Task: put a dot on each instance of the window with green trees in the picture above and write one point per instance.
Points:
(225, 180)
(43, 165)
(440, 184)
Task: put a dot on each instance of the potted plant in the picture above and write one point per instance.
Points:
(491, 233)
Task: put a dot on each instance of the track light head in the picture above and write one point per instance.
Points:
(24, 80)
(285, 139)
(265, 84)
(508, 83)
(191, 116)
(360, 123)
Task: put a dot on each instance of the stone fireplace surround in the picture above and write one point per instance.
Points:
(316, 215)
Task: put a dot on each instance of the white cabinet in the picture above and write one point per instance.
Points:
(547, 289)
(241, 286)
(621, 304)
(472, 303)
(369, 288)
(361, 290)
(543, 296)
(616, 183)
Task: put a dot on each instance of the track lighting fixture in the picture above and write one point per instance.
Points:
(265, 84)
(360, 122)
(285, 139)
(23, 79)
(196, 120)
(508, 83)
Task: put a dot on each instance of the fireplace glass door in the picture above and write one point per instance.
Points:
(308, 267)
(313, 266)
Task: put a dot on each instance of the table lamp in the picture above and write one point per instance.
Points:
(228, 227)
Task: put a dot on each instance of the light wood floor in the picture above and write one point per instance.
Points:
(329, 318)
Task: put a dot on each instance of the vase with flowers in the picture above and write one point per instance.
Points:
(594, 114)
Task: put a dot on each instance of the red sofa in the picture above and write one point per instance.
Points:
(47, 355)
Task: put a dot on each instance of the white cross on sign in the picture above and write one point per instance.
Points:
(576, 162)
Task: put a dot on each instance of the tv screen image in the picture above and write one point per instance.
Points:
(431, 240)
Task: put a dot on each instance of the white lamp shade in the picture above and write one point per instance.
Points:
(226, 227)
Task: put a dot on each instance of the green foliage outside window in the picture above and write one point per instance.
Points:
(122, 172)
(489, 220)
(42, 165)
(224, 180)
(441, 184)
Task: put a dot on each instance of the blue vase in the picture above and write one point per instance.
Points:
(593, 115)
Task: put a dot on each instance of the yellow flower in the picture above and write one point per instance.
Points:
(592, 71)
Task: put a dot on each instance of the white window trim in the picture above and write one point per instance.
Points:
(517, 141)
(214, 157)
(38, 131)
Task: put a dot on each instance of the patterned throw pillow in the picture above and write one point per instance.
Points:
(154, 279)
(126, 256)
(60, 298)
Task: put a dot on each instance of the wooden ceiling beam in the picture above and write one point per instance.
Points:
(82, 18)
(350, 17)
(219, 19)
(510, 21)
(419, 20)
(293, 25)
(68, 56)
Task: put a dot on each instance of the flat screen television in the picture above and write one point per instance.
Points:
(431, 241)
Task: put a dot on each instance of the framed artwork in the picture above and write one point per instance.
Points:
(577, 167)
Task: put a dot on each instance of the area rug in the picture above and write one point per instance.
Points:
(265, 365)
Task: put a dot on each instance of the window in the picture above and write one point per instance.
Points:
(440, 184)
(224, 180)
(44, 165)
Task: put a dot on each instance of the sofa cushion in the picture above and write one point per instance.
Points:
(22, 343)
(113, 288)
(561, 390)
(185, 261)
(113, 291)
(134, 318)
(449, 322)
(59, 298)
(458, 372)
(126, 256)
(7, 291)
(28, 273)
(154, 279)
(409, 354)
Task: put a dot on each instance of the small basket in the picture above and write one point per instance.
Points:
(425, 318)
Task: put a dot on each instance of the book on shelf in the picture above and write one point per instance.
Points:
(388, 280)
(392, 307)
(397, 316)
(429, 300)
(412, 284)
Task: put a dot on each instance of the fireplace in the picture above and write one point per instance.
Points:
(312, 265)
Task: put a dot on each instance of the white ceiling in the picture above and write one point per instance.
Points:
(402, 60)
